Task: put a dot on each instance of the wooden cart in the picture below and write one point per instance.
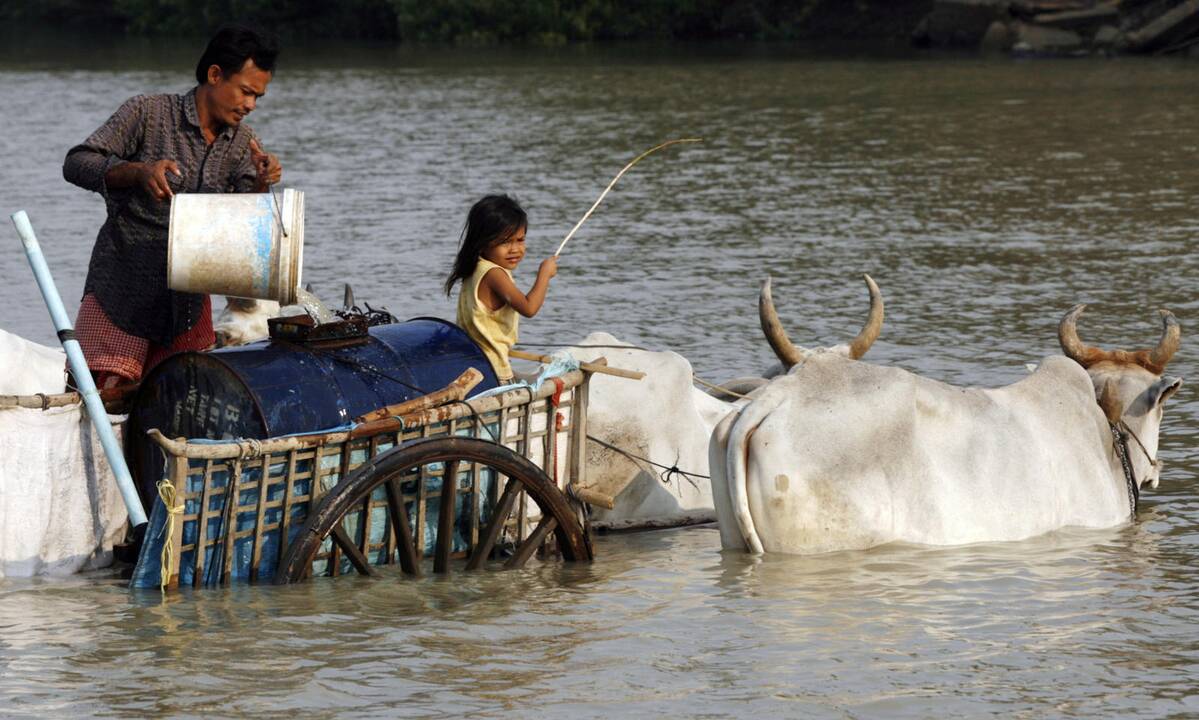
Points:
(284, 509)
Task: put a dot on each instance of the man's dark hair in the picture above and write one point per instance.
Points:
(234, 44)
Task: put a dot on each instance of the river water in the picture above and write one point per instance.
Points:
(985, 197)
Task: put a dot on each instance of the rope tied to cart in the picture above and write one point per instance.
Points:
(667, 474)
(249, 448)
(166, 491)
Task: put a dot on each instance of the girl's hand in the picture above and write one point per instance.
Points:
(549, 267)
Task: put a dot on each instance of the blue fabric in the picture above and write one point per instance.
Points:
(561, 362)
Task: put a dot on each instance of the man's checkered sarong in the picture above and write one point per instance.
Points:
(112, 351)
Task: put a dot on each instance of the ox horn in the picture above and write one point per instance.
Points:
(874, 323)
(788, 353)
(1073, 346)
(1160, 356)
(1154, 360)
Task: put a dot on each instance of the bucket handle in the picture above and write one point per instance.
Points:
(278, 210)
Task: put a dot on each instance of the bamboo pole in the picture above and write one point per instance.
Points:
(456, 390)
(248, 449)
(599, 366)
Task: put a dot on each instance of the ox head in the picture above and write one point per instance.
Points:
(790, 354)
(1130, 386)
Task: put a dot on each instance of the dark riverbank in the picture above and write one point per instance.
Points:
(1019, 27)
(542, 22)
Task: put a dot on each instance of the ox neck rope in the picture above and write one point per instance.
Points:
(1120, 433)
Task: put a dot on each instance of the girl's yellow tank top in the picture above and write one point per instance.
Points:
(494, 330)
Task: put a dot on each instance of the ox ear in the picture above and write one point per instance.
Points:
(1109, 402)
(1162, 390)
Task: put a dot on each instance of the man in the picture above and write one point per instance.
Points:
(153, 147)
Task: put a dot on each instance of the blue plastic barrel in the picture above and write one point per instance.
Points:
(270, 388)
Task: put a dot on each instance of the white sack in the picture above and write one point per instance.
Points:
(60, 510)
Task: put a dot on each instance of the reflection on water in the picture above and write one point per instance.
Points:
(985, 197)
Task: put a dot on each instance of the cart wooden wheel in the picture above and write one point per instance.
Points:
(386, 469)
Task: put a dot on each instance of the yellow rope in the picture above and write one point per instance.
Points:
(166, 491)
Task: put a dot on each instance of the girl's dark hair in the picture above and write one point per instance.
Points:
(492, 219)
(234, 44)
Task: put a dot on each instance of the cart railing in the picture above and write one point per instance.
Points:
(275, 483)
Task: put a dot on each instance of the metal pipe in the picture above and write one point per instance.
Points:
(83, 376)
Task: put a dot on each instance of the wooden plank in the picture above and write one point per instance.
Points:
(1161, 26)
(455, 391)
(316, 488)
(391, 538)
(289, 477)
(365, 525)
(422, 499)
(499, 517)
(206, 493)
(445, 517)
(599, 366)
(578, 435)
(476, 498)
(527, 414)
(476, 483)
(178, 478)
(341, 539)
(263, 487)
(228, 450)
(525, 550)
(550, 443)
(342, 468)
(229, 522)
(409, 560)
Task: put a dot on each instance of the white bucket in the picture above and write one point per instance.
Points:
(237, 244)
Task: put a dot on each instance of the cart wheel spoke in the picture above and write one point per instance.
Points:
(409, 562)
(353, 553)
(495, 525)
(525, 550)
(389, 468)
(445, 517)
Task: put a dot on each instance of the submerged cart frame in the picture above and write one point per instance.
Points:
(332, 503)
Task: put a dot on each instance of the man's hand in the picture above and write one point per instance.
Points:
(152, 178)
(266, 166)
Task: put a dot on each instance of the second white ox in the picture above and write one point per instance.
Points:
(840, 454)
(640, 428)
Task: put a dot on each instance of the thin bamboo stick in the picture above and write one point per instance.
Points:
(604, 194)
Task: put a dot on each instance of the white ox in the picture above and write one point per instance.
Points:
(840, 454)
(243, 321)
(60, 510)
(661, 420)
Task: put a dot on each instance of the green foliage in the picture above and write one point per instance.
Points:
(305, 19)
(580, 20)
(488, 21)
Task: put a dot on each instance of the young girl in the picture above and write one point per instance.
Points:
(493, 244)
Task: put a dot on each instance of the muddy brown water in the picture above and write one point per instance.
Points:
(985, 197)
